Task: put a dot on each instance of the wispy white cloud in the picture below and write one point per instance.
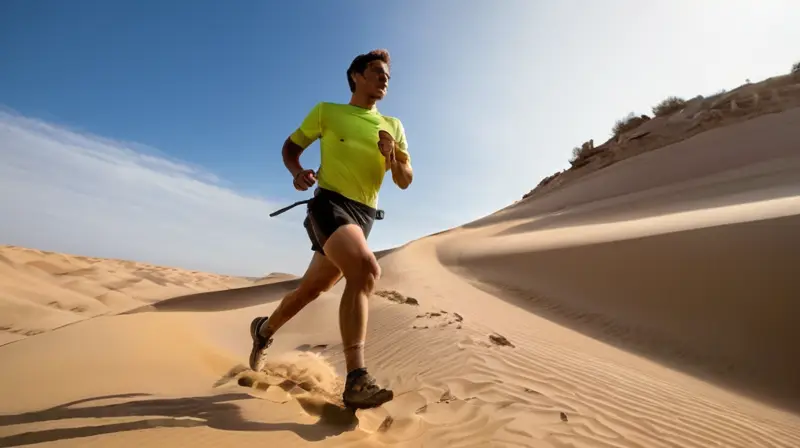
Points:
(69, 191)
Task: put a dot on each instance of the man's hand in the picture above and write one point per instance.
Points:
(386, 147)
(304, 180)
(402, 174)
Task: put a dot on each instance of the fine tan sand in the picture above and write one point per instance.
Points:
(651, 303)
(40, 291)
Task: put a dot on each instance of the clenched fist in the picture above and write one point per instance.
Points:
(386, 146)
(304, 180)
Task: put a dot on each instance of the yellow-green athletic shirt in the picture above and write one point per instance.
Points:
(350, 162)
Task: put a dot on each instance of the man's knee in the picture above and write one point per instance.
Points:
(364, 272)
(348, 248)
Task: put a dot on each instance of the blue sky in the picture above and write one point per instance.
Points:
(152, 130)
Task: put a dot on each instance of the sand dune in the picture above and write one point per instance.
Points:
(648, 304)
(45, 290)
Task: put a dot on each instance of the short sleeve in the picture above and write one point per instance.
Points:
(310, 129)
(401, 144)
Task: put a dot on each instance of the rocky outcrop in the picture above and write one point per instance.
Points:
(634, 135)
(584, 154)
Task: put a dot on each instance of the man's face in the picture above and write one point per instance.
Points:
(375, 80)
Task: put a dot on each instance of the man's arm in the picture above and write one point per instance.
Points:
(291, 156)
(402, 174)
(310, 129)
(302, 179)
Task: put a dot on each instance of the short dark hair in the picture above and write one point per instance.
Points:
(361, 61)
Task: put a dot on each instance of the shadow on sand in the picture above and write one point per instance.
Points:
(215, 411)
(627, 209)
(227, 299)
(718, 303)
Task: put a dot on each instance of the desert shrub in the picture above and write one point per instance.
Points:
(669, 106)
(629, 123)
(796, 68)
(576, 152)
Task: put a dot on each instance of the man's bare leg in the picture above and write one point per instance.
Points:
(347, 248)
(319, 277)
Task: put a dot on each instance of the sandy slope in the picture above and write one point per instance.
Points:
(45, 290)
(639, 307)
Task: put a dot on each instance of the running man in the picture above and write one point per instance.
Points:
(358, 146)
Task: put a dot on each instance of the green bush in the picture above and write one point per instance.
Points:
(669, 106)
(628, 123)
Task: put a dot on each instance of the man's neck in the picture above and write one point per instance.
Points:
(364, 103)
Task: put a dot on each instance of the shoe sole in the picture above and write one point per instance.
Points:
(384, 396)
(255, 353)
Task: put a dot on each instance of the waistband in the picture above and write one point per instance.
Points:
(325, 194)
(376, 213)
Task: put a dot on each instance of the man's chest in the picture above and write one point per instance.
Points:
(353, 133)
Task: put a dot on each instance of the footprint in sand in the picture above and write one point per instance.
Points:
(440, 319)
(274, 388)
(287, 376)
(498, 339)
(309, 380)
(396, 297)
(313, 400)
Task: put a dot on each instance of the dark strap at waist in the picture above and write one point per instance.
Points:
(288, 207)
(378, 215)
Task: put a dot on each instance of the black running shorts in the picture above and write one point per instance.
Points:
(328, 211)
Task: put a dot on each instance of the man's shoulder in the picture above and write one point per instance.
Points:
(331, 105)
(329, 108)
(319, 105)
(395, 123)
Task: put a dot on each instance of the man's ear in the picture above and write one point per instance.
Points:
(354, 75)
